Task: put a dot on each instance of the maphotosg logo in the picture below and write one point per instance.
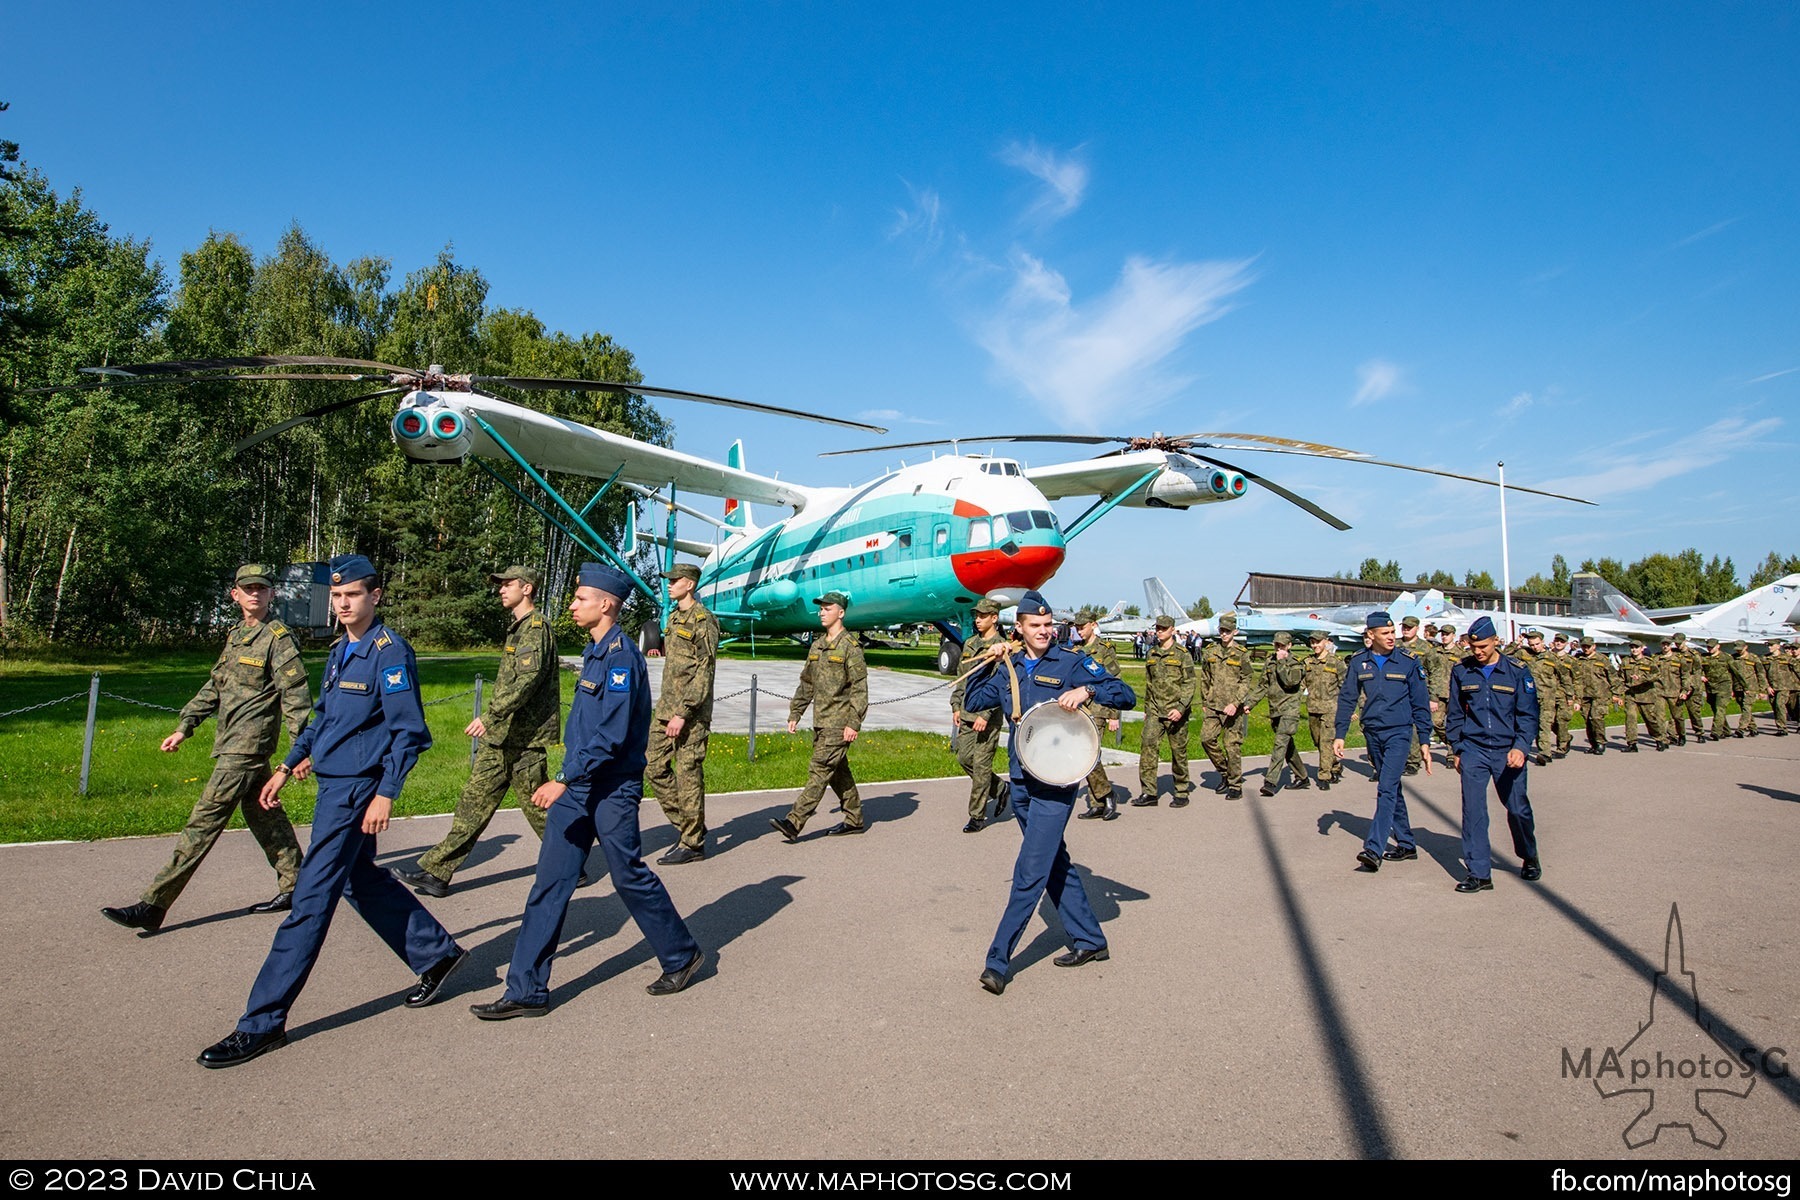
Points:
(1677, 1066)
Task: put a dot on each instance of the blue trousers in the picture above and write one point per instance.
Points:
(1044, 867)
(340, 861)
(609, 810)
(1388, 749)
(1478, 767)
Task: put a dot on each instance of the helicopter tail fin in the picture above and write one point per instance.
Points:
(737, 513)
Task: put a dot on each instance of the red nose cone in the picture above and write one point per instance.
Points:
(984, 571)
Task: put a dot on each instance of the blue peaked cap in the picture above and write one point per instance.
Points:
(1378, 620)
(348, 568)
(599, 575)
(1033, 604)
(1482, 628)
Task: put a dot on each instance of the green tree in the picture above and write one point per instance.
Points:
(1719, 583)
(1373, 570)
(1478, 579)
(1774, 567)
(1200, 609)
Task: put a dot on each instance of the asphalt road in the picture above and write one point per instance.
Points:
(1263, 998)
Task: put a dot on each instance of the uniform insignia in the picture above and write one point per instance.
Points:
(537, 622)
(351, 685)
(292, 671)
(510, 649)
(1530, 686)
(618, 679)
(383, 642)
(837, 658)
(278, 629)
(1498, 687)
(587, 685)
(1094, 668)
(1046, 679)
(250, 662)
(393, 679)
(686, 633)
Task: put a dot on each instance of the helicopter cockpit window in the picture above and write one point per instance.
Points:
(1043, 520)
(979, 536)
(1020, 521)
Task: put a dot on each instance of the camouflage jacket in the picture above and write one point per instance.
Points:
(1671, 673)
(524, 708)
(1226, 676)
(1169, 680)
(1566, 677)
(1324, 680)
(1544, 674)
(1717, 670)
(1283, 684)
(1693, 670)
(690, 657)
(1640, 677)
(1746, 675)
(1101, 651)
(1596, 682)
(258, 680)
(1782, 676)
(973, 649)
(835, 682)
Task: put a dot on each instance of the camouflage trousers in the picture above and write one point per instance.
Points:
(1437, 719)
(1286, 750)
(830, 768)
(1222, 738)
(1157, 726)
(1546, 738)
(1746, 703)
(1650, 708)
(1319, 728)
(1099, 783)
(975, 755)
(497, 768)
(676, 768)
(1717, 701)
(1565, 725)
(1593, 715)
(1678, 710)
(236, 781)
(1783, 709)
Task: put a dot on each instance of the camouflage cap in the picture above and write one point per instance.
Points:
(1087, 616)
(683, 571)
(1165, 621)
(1431, 627)
(1409, 622)
(529, 575)
(1587, 643)
(986, 607)
(1679, 638)
(263, 573)
(1559, 638)
(1228, 621)
(1319, 635)
(837, 598)
(1284, 638)
(1712, 643)
(1535, 633)
(1451, 629)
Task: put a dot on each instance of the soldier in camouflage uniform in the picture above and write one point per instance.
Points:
(1716, 668)
(258, 681)
(1542, 666)
(1784, 681)
(1747, 687)
(1641, 677)
(1168, 703)
(1670, 672)
(1437, 678)
(682, 721)
(1596, 690)
(1792, 657)
(1324, 680)
(835, 684)
(978, 733)
(1693, 683)
(1283, 684)
(1564, 662)
(1101, 805)
(1227, 681)
(521, 721)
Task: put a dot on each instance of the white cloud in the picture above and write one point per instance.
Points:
(1770, 375)
(1696, 452)
(1701, 235)
(920, 219)
(893, 414)
(1378, 378)
(1517, 405)
(1101, 358)
(1065, 178)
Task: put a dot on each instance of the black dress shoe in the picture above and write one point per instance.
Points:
(432, 981)
(1236, 793)
(1631, 747)
(1324, 785)
(1475, 883)
(1531, 871)
(993, 981)
(148, 917)
(584, 880)
(976, 824)
(1076, 958)
(422, 882)
(1266, 790)
(1542, 760)
(1367, 861)
(1300, 785)
(1661, 746)
(670, 982)
(505, 1009)
(1093, 813)
(1180, 800)
(1144, 802)
(785, 828)
(283, 902)
(841, 829)
(1400, 853)
(1411, 771)
(1220, 788)
(1112, 812)
(679, 854)
(240, 1047)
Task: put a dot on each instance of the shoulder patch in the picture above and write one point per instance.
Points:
(536, 621)
(1093, 667)
(618, 679)
(384, 641)
(393, 679)
(277, 629)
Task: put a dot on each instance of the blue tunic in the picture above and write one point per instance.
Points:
(1396, 704)
(368, 720)
(1492, 713)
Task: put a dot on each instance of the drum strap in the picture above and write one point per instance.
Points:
(1012, 678)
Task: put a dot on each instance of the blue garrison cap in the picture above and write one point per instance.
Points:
(599, 575)
(1482, 628)
(1033, 604)
(1378, 620)
(348, 568)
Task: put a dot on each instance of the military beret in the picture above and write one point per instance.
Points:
(987, 607)
(837, 598)
(604, 578)
(261, 573)
(1228, 621)
(1284, 638)
(1165, 621)
(1378, 620)
(1410, 622)
(1483, 627)
(348, 568)
(683, 571)
(1319, 635)
(522, 574)
(1587, 641)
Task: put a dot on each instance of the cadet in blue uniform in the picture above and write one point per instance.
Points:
(1396, 706)
(1491, 725)
(1044, 671)
(368, 731)
(597, 792)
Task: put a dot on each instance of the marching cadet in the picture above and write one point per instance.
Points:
(1641, 678)
(1437, 677)
(1324, 680)
(1596, 691)
(1670, 672)
(1563, 658)
(1491, 730)
(1693, 682)
(676, 755)
(1716, 668)
(370, 730)
(1168, 702)
(1283, 682)
(1227, 680)
(1793, 661)
(1411, 643)
(978, 733)
(1784, 682)
(1100, 804)
(258, 680)
(835, 684)
(1538, 661)
(1747, 687)
(1391, 685)
(522, 722)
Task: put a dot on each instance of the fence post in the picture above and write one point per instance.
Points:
(87, 742)
(475, 743)
(751, 756)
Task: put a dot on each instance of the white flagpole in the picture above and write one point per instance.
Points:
(1505, 561)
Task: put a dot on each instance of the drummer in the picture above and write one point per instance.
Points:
(1016, 680)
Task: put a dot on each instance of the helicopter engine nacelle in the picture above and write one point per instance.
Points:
(1184, 487)
(774, 595)
(432, 433)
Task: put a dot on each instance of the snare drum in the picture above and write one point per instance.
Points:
(1056, 746)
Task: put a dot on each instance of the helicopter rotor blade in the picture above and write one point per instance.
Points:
(1274, 445)
(257, 377)
(1511, 487)
(190, 365)
(600, 385)
(263, 435)
(1078, 439)
(1297, 500)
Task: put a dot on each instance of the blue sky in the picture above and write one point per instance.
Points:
(1562, 236)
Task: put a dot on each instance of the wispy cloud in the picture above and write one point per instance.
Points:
(893, 414)
(1517, 405)
(1632, 473)
(1065, 178)
(1376, 378)
(1703, 234)
(1770, 375)
(920, 219)
(1099, 358)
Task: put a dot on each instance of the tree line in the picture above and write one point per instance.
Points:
(1654, 581)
